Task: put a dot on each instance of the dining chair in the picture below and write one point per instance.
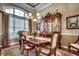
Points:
(51, 49)
(25, 46)
(26, 34)
(0, 47)
(74, 45)
(43, 34)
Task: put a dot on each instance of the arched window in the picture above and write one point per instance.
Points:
(17, 21)
(16, 12)
(19, 13)
(9, 11)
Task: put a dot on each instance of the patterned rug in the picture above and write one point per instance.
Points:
(14, 51)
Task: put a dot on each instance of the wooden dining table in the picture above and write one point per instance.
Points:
(38, 42)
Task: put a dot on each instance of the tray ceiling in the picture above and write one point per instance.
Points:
(33, 7)
(33, 4)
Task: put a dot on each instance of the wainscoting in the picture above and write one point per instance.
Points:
(65, 39)
(0, 39)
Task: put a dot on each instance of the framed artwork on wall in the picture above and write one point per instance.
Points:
(38, 26)
(72, 22)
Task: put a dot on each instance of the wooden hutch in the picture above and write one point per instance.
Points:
(52, 23)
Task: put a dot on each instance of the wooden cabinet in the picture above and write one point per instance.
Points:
(52, 23)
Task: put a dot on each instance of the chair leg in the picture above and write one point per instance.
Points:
(22, 52)
(20, 44)
(20, 47)
(78, 52)
(55, 53)
(69, 48)
(27, 52)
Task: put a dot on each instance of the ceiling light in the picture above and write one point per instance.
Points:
(38, 14)
(39, 17)
(34, 19)
(31, 17)
(27, 16)
(30, 14)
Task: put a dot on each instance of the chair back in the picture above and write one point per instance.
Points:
(23, 39)
(77, 41)
(38, 32)
(25, 33)
(44, 34)
(54, 40)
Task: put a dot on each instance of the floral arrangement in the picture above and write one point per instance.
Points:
(34, 33)
(19, 32)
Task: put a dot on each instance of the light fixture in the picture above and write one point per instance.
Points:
(34, 19)
(30, 14)
(38, 14)
(38, 17)
(27, 16)
(31, 17)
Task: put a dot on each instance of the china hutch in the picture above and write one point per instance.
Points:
(51, 23)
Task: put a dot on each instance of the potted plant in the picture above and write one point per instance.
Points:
(34, 34)
(19, 32)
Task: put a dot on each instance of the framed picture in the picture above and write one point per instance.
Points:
(38, 26)
(72, 22)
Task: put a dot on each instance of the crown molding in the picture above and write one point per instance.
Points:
(37, 8)
(25, 6)
(42, 6)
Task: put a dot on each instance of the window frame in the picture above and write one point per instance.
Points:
(14, 19)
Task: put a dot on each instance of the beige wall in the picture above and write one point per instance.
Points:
(1, 6)
(0, 28)
(66, 10)
(68, 39)
(0, 23)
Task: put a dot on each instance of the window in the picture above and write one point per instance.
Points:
(9, 11)
(17, 21)
(19, 13)
(16, 12)
(17, 24)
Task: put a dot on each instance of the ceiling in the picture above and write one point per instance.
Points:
(33, 7)
(33, 4)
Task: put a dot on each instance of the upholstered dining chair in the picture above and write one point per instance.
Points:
(24, 33)
(25, 46)
(43, 34)
(74, 45)
(51, 49)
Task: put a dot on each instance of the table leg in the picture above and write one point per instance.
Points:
(37, 51)
(69, 48)
(78, 52)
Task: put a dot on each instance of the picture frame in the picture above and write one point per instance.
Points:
(38, 26)
(72, 22)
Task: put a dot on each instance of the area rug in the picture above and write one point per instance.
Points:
(14, 51)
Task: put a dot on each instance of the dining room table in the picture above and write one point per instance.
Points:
(38, 42)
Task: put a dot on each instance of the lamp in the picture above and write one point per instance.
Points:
(38, 14)
(35, 20)
(30, 14)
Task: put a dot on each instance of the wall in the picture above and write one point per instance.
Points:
(66, 10)
(0, 27)
(1, 7)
